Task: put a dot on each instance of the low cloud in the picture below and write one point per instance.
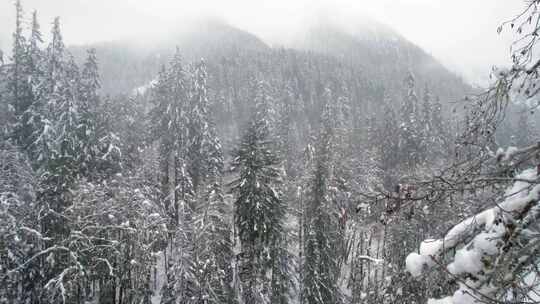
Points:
(460, 33)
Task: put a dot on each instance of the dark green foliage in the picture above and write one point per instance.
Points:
(321, 230)
(259, 209)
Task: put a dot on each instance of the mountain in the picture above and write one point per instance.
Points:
(372, 50)
(382, 51)
(128, 64)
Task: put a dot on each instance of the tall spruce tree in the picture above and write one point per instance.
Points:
(213, 251)
(198, 125)
(34, 62)
(259, 209)
(426, 131)
(410, 135)
(170, 122)
(17, 74)
(441, 136)
(212, 238)
(43, 113)
(387, 142)
(19, 82)
(321, 227)
(88, 128)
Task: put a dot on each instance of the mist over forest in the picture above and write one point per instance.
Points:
(207, 164)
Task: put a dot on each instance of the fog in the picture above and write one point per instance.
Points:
(460, 33)
(276, 151)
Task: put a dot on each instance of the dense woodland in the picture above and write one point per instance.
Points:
(306, 174)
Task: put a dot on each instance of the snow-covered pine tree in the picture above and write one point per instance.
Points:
(65, 158)
(88, 104)
(321, 227)
(286, 130)
(426, 129)
(99, 143)
(16, 74)
(288, 142)
(55, 140)
(440, 136)
(212, 232)
(57, 153)
(170, 121)
(198, 125)
(409, 135)
(18, 84)
(431, 121)
(42, 112)
(34, 45)
(387, 143)
(20, 238)
(55, 57)
(259, 209)
(281, 280)
(34, 61)
(116, 228)
(213, 251)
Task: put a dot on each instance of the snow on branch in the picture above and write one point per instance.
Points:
(37, 255)
(480, 246)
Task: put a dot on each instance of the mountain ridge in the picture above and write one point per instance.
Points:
(376, 49)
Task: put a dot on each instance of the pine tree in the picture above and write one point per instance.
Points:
(286, 131)
(56, 146)
(170, 122)
(426, 128)
(17, 74)
(67, 119)
(321, 228)
(49, 95)
(93, 144)
(409, 126)
(34, 60)
(259, 209)
(213, 252)
(198, 124)
(19, 85)
(281, 281)
(36, 39)
(212, 237)
(437, 124)
(55, 59)
(35, 54)
(388, 144)
(18, 224)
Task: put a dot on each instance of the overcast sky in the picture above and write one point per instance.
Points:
(460, 33)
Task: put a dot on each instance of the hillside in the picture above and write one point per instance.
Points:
(126, 65)
(380, 51)
(375, 51)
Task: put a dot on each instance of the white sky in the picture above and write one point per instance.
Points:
(460, 33)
